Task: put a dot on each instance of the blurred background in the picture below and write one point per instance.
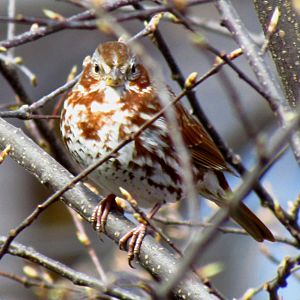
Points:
(53, 234)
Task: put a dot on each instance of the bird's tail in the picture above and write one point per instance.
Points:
(252, 224)
(246, 218)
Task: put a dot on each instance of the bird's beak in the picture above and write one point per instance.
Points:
(114, 78)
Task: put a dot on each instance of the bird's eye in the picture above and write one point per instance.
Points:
(133, 72)
(133, 69)
(96, 68)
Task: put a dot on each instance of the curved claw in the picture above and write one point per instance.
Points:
(136, 236)
(99, 216)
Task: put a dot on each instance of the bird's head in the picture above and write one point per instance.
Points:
(114, 63)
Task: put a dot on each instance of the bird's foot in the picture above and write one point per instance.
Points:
(136, 236)
(100, 213)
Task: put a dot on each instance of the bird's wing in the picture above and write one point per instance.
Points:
(205, 153)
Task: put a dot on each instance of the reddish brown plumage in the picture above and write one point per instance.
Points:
(113, 98)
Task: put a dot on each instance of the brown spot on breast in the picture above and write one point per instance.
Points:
(141, 102)
(85, 99)
(67, 129)
(90, 121)
(89, 130)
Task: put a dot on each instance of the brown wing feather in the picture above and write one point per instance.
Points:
(204, 152)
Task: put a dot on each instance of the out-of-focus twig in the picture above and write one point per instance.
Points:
(285, 269)
(25, 111)
(54, 197)
(263, 74)
(27, 282)
(4, 153)
(85, 241)
(11, 11)
(76, 277)
(223, 229)
(221, 216)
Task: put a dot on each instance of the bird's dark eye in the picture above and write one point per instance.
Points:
(97, 68)
(133, 69)
(133, 72)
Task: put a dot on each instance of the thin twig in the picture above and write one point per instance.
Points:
(84, 239)
(75, 277)
(11, 11)
(226, 229)
(265, 197)
(25, 112)
(285, 269)
(202, 241)
(10, 74)
(44, 31)
(27, 282)
(263, 74)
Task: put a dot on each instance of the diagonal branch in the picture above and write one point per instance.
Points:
(263, 74)
(156, 259)
(200, 244)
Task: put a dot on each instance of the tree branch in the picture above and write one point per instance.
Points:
(284, 44)
(76, 277)
(263, 74)
(157, 260)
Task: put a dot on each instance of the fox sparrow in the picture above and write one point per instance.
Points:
(112, 99)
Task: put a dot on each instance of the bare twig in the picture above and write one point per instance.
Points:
(44, 31)
(76, 277)
(223, 229)
(10, 74)
(27, 282)
(271, 86)
(25, 112)
(221, 216)
(11, 11)
(163, 94)
(231, 157)
(142, 217)
(285, 269)
(84, 239)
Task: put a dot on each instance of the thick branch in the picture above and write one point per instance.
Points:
(284, 44)
(157, 260)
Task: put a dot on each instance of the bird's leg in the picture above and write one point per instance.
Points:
(136, 235)
(99, 216)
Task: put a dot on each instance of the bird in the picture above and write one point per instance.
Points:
(113, 98)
